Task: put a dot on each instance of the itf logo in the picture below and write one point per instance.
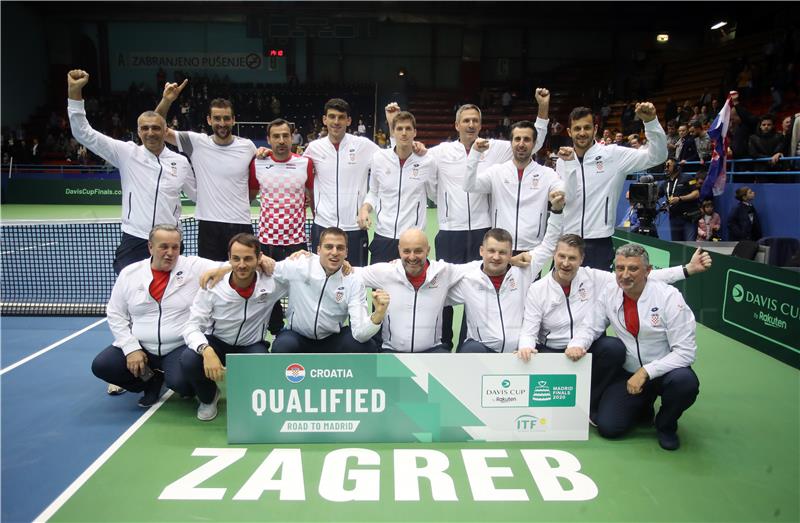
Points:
(737, 293)
(528, 423)
(295, 373)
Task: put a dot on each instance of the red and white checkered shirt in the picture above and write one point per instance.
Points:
(283, 199)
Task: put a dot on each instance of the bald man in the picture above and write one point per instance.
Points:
(152, 176)
(418, 287)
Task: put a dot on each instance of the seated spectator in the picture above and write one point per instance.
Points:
(743, 223)
(766, 143)
(633, 141)
(619, 139)
(709, 224)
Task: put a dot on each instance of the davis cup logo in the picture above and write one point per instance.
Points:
(295, 373)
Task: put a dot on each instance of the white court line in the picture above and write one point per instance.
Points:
(105, 456)
(50, 347)
(50, 244)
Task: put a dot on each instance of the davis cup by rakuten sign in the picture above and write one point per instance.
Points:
(318, 398)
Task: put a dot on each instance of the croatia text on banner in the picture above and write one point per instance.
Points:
(717, 168)
(320, 398)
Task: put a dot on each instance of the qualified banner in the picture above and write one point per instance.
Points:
(320, 398)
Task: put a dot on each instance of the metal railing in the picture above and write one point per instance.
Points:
(731, 168)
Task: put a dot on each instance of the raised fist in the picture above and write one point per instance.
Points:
(646, 111)
(77, 78)
(542, 95)
(481, 145)
(566, 153)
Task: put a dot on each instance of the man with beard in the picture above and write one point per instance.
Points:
(519, 188)
(766, 143)
(222, 166)
(285, 180)
(228, 319)
(418, 288)
(594, 176)
(464, 217)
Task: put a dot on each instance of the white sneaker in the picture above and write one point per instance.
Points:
(208, 411)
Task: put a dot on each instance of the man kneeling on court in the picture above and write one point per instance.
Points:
(229, 318)
(148, 309)
(658, 330)
(321, 297)
(418, 288)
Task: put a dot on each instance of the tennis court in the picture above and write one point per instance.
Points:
(72, 453)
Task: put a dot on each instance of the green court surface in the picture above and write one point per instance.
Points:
(738, 462)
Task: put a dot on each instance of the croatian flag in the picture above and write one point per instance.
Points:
(717, 168)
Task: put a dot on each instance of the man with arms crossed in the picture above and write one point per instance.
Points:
(229, 318)
(658, 330)
(152, 176)
(222, 165)
(147, 311)
(561, 302)
(399, 184)
(594, 176)
(322, 297)
(463, 217)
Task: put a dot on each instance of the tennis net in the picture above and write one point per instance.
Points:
(65, 268)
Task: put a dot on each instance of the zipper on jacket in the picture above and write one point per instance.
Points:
(159, 327)
(638, 354)
(414, 319)
(446, 207)
(583, 195)
(399, 198)
(388, 328)
(130, 195)
(495, 218)
(605, 218)
(319, 303)
(539, 230)
(380, 208)
(502, 323)
(516, 214)
(569, 311)
(469, 215)
(416, 222)
(337, 183)
(158, 184)
(236, 341)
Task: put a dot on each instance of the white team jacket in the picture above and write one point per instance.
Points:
(457, 209)
(151, 185)
(138, 321)
(666, 339)
(398, 194)
(340, 185)
(552, 319)
(413, 322)
(319, 304)
(518, 206)
(222, 312)
(594, 185)
(494, 317)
